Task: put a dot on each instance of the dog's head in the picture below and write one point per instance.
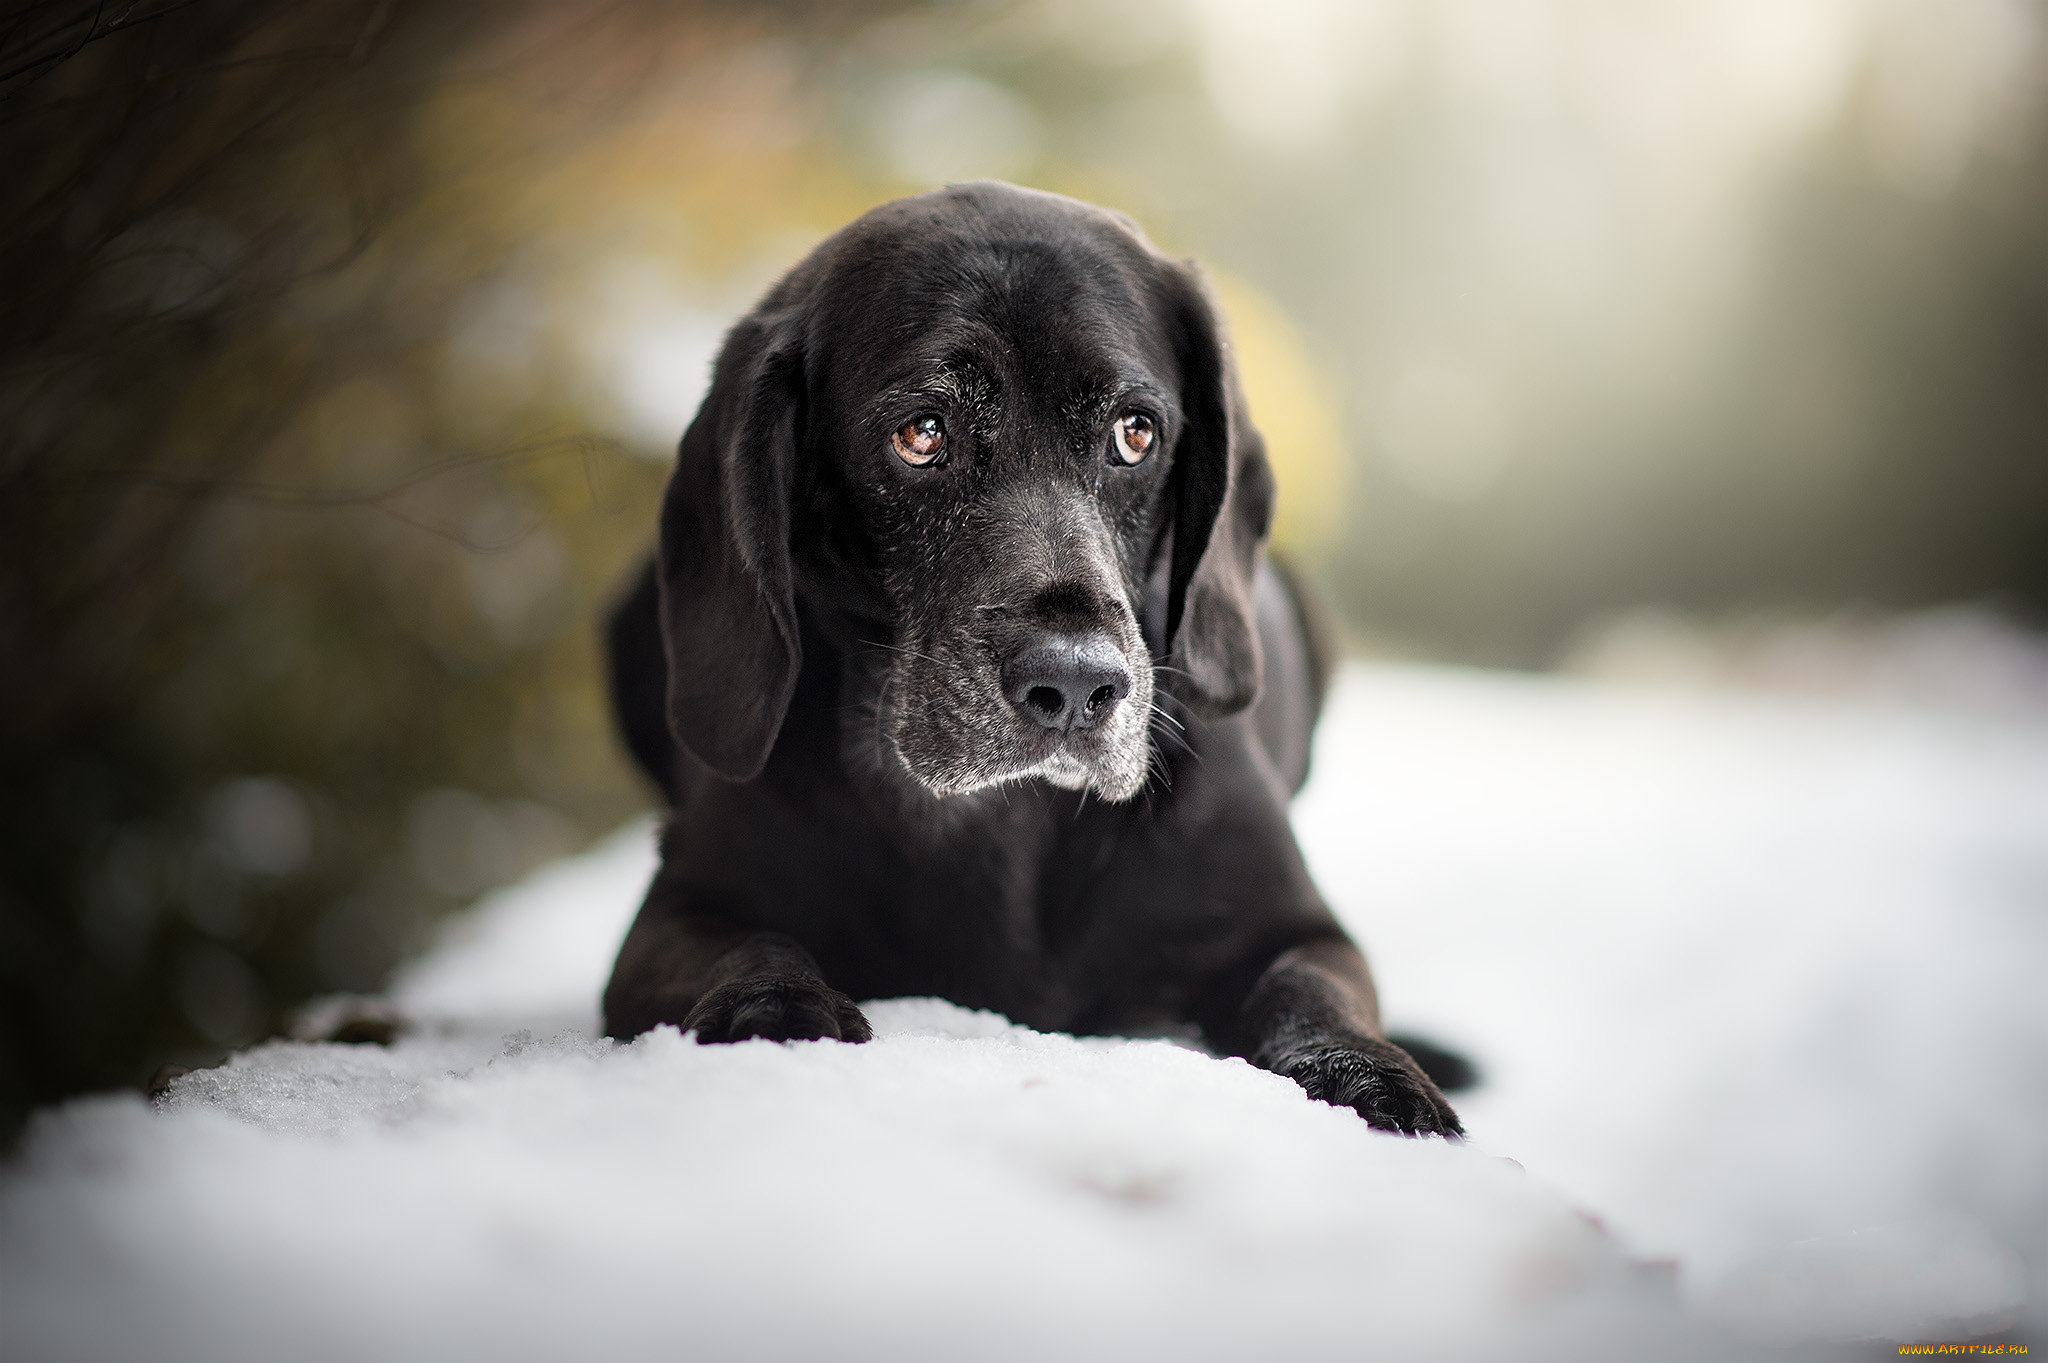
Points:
(996, 435)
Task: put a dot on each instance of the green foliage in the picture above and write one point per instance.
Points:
(297, 621)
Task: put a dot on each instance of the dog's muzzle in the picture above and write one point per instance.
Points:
(1068, 703)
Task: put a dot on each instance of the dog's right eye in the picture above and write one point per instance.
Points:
(1134, 435)
(920, 441)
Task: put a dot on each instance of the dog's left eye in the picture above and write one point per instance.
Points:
(921, 441)
(1134, 435)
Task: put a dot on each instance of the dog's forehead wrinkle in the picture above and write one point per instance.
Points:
(1034, 310)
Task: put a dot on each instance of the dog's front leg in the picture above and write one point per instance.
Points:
(721, 982)
(1312, 1015)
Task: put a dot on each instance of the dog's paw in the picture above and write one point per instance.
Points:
(777, 1009)
(1377, 1080)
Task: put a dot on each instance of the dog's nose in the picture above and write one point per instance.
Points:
(1066, 682)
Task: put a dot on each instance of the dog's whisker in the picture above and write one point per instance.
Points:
(1180, 743)
(1155, 763)
(881, 704)
(1175, 733)
(899, 648)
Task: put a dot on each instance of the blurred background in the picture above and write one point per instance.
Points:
(344, 345)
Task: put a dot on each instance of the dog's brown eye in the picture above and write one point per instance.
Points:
(920, 441)
(1134, 435)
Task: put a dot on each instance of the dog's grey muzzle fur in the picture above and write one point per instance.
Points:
(1039, 670)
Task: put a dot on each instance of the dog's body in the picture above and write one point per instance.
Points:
(961, 478)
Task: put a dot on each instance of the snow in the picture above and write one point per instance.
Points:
(1757, 981)
(1753, 983)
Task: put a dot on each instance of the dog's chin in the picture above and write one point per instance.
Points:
(1112, 776)
(1065, 771)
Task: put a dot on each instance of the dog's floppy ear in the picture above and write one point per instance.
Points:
(728, 613)
(1220, 497)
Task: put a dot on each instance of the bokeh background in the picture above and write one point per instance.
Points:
(344, 344)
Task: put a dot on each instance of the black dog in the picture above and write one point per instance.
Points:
(965, 673)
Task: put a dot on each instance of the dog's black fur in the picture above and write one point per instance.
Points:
(1016, 727)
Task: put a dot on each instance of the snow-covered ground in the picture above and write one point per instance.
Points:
(1754, 983)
